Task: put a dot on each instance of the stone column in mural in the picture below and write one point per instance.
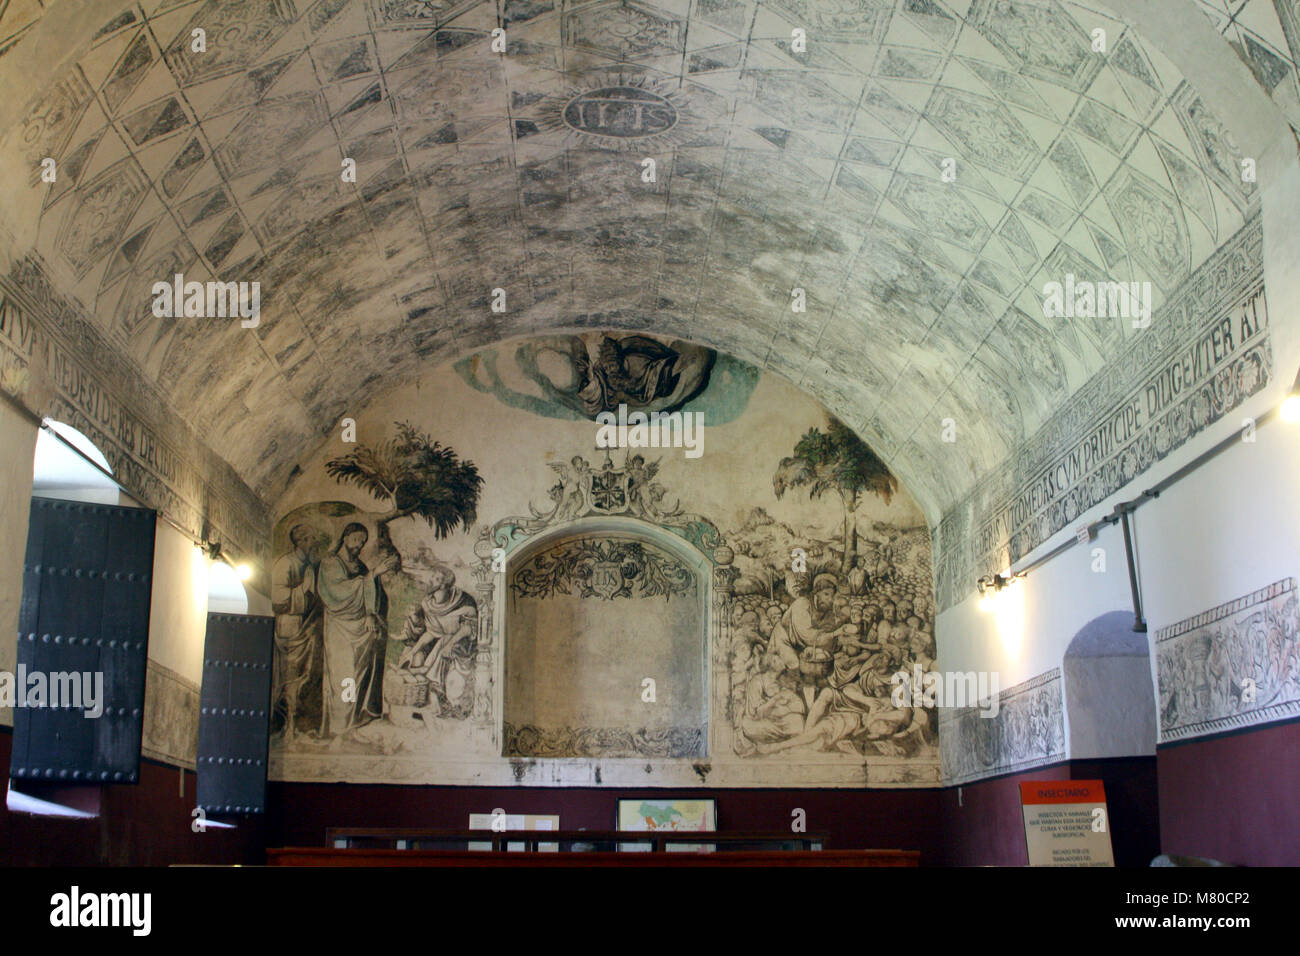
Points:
(483, 663)
(724, 577)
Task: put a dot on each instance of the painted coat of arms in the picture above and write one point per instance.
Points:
(608, 492)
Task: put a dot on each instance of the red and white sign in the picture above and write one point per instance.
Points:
(1067, 823)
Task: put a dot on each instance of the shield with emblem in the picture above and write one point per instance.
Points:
(609, 491)
(606, 578)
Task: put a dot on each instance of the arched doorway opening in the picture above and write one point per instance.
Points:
(1109, 701)
(68, 465)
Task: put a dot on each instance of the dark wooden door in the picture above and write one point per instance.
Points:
(234, 714)
(84, 620)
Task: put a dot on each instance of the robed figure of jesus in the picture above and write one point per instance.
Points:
(355, 633)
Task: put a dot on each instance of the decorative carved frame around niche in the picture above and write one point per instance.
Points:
(612, 500)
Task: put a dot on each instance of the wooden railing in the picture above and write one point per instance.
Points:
(329, 856)
(590, 841)
(373, 846)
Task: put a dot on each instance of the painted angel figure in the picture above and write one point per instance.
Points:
(645, 495)
(640, 474)
(558, 493)
(573, 494)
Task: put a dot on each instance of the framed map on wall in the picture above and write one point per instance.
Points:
(645, 814)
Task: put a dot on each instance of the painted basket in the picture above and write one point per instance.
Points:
(815, 662)
(407, 690)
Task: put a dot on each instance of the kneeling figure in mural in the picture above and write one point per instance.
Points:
(441, 638)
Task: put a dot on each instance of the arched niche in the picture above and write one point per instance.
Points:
(1109, 701)
(589, 614)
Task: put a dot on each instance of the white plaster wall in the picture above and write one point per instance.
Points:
(1231, 527)
(61, 472)
(1037, 617)
(179, 609)
(18, 444)
(258, 603)
(1118, 692)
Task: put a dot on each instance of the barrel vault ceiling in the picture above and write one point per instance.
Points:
(776, 169)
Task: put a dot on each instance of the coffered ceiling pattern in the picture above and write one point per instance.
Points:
(777, 166)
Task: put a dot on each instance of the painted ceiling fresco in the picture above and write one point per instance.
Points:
(778, 166)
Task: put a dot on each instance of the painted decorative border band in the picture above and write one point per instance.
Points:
(531, 741)
(1225, 610)
(171, 717)
(1027, 731)
(1236, 665)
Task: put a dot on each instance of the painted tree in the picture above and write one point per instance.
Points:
(768, 544)
(418, 477)
(836, 460)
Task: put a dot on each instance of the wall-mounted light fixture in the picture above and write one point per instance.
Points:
(243, 570)
(1291, 405)
(991, 585)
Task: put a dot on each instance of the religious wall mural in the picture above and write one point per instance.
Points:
(551, 610)
(361, 629)
(821, 625)
(573, 376)
(1233, 666)
(337, 612)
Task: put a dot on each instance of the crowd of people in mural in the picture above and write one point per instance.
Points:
(813, 661)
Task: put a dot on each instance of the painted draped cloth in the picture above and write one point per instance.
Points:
(355, 642)
(297, 641)
(441, 638)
